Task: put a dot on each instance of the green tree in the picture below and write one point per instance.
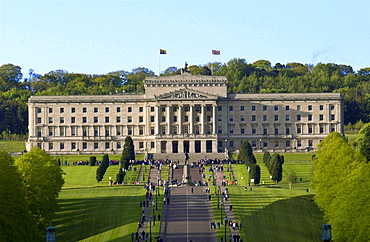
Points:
(276, 167)
(103, 166)
(43, 180)
(255, 173)
(290, 178)
(16, 221)
(246, 154)
(92, 160)
(10, 76)
(128, 153)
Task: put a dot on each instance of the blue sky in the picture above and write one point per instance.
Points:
(100, 36)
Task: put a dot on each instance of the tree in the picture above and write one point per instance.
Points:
(100, 172)
(43, 180)
(128, 153)
(15, 217)
(10, 75)
(276, 167)
(92, 160)
(246, 154)
(364, 140)
(290, 178)
(255, 173)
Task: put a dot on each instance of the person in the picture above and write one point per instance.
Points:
(192, 190)
(186, 158)
(132, 236)
(231, 207)
(159, 217)
(164, 200)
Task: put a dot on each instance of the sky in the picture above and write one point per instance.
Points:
(101, 36)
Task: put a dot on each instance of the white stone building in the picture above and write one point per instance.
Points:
(183, 113)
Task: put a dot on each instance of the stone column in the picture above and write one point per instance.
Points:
(179, 120)
(191, 124)
(169, 119)
(156, 120)
(202, 123)
(32, 120)
(214, 124)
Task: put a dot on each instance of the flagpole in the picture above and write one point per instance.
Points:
(159, 62)
(211, 63)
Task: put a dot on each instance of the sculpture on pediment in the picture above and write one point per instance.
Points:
(185, 69)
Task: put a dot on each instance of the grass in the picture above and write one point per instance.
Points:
(12, 146)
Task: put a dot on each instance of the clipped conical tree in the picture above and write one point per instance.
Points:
(256, 174)
(246, 154)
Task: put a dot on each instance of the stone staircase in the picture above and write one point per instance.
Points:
(193, 156)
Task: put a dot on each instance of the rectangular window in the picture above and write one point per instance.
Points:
(50, 120)
(309, 107)
(73, 120)
(254, 130)
(61, 110)
(39, 120)
(264, 117)
(298, 117)
(106, 119)
(265, 131)
(186, 119)
(62, 131)
(61, 120)
(231, 131)
(84, 120)
(242, 130)
(129, 119)
(61, 145)
(321, 107)
(287, 108)
(96, 119)
(174, 109)
(332, 117)
(73, 145)
(254, 144)
(51, 131)
(73, 131)
(264, 108)
(242, 118)
(107, 145)
(287, 130)
(151, 109)
(310, 131)
(84, 110)
(276, 118)
(241, 108)
(84, 131)
(141, 145)
(50, 110)
(38, 110)
(73, 110)
(310, 143)
(231, 108)
(51, 146)
(118, 130)
(208, 118)
(253, 118)
(276, 108)
(276, 130)
(208, 109)
(298, 107)
(231, 144)
(96, 145)
(152, 130)
(174, 118)
(129, 131)
(96, 131)
(287, 143)
(118, 119)
(141, 130)
(152, 119)
(265, 144)
(141, 109)
(163, 119)
(309, 118)
(332, 107)
(96, 110)
(152, 145)
(219, 118)
(299, 143)
(107, 109)
(219, 129)
(321, 117)
(231, 118)
(299, 129)
(84, 145)
(118, 145)
(197, 109)
(118, 109)
(287, 118)
(253, 108)
(219, 108)
(129, 109)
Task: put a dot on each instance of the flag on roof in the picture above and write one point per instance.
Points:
(162, 52)
(216, 52)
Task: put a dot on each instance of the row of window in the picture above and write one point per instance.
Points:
(95, 109)
(259, 144)
(107, 145)
(276, 108)
(276, 118)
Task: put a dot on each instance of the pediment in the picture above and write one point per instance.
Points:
(185, 93)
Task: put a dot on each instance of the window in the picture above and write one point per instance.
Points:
(39, 120)
(129, 130)
(264, 108)
(141, 130)
(107, 109)
(50, 110)
(265, 144)
(50, 120)
(141, 145)
(219, 108)
(310, 131)
(298, 117)
(107, 131)
(96, 145)
(61, 120)
(231, 108)
(163, 109)
(118, 130)
(61, 110)
(299, 143)
(242, 130)
(151, 109)
(73, 131)
(309, 118)
(186, 119)
(84, 131)
(129, 119)
(51, 146)
(51, 131)
(96, 110)
(96, 131)
(118, 119)
(321, 117)
(264, 118)
(310, 143)
(332, 117)
(276, 108)
(287, 143)
(287, 108)
(129, 109)
(321, 129)
(253, 118)
(152, 130)
(208, 109)
(242, 118)
(254, 130)
(299, 129)
(208, 118)
(197, 109)
(73, 145)
(174, 118)
(84, 110)
(321, 107)
(298, 107)
(118, 109)
(241, 108)
(186, 109)
(287, 118)
(174, 109)
(219, 129)
(332, 107)
(219, 118)
(106, 119)
(107, 145)
(231, 144)
(287, 130)
(152, 145)
(84, 120)
(62, 131)
(38, 110)
(265, 131)
(73, 120)
(276, 118)
(231, 118)
(309, 107)
(231, 131)
(118, 145)
(73, 110)
(196, 118)
(61, 145)
(254, 144)
(84, 145)
(141, 109)
(253, 108)
(174, 129)
(39, 133)
(197, 129)
(163, 119)
(276, 130)
(152, 119)
(96, 119)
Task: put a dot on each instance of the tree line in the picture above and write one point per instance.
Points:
(257, 77)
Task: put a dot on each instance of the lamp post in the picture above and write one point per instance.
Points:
(226, 224)
(150, 229)
(156, 197)
(143, 170)
(221, 202)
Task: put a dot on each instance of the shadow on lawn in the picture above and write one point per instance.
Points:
(82, 218)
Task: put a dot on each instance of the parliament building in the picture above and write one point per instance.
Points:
(183, 114)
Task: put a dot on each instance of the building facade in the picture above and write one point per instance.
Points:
(183, 113)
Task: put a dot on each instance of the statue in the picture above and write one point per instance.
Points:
(186, 158)
(185, 69)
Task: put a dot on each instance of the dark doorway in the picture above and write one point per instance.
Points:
(175, 147)
(163, 146)
(209, 146)
(186, 146)
(198, 148)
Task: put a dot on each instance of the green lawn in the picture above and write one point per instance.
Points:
(12, 146)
